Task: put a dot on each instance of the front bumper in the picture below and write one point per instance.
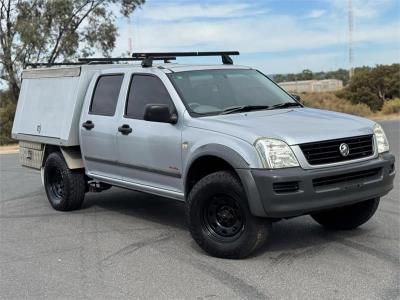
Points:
(317, 189)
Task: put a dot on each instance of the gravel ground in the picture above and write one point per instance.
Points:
(124, 244)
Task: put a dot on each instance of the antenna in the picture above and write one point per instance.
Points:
(350, 16)
(130, 47)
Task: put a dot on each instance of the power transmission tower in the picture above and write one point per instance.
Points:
(350, 36)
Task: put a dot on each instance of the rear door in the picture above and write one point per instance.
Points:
(98, 126)
(150, 154)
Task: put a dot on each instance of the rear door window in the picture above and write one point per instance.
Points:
(106, 93)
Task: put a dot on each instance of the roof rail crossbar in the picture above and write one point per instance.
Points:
(165, 58)
(98, 60)
(35, 65)
(148, 57)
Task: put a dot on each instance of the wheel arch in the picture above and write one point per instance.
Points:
(203, 166)
(71, 155)
(218, 157)
(224, 155)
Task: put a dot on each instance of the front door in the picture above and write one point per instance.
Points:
(149, 152)
(98, 127)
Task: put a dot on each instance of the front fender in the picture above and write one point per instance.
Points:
(239, 154)
(224, 152)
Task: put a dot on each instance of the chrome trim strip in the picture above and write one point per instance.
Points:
(139, 187)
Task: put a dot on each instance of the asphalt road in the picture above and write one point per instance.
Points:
(124, 244)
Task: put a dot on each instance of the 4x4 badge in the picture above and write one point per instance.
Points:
(344, 149)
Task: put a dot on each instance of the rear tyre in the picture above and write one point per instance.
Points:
(65, 188)
(347, 217)
(220, 220)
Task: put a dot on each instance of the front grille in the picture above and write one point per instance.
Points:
(329, 180)
(286, 187)
(327, 152)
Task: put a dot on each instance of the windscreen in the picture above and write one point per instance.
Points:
(209, 92)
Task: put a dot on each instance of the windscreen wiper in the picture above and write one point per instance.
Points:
(285, 105)
(243, 108)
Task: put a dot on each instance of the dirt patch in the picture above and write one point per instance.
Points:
(385, 117)
(8, 149)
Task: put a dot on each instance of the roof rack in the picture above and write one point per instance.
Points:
(34, 65)
(147, 58)
(165, 58)
(98, 60)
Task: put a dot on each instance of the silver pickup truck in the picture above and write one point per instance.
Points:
(236, 148)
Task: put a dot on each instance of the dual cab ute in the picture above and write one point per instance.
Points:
(236, 148)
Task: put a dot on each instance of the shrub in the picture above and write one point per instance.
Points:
(391, 107)
(7, 112)
(374, 86)
(332, 102)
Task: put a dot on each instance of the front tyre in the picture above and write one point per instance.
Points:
(347, 217)
(220, 220)
(65, 188)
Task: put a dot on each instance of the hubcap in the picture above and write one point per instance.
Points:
(223, 217)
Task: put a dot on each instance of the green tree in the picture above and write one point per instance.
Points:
(7, 111)
(340, 74)
(56, 30)
(374, 86)
(306, 75)
(279, 77)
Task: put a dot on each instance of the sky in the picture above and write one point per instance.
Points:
(275, 36)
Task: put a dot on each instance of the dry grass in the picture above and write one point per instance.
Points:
(391, 107)
(8, 149)
(330, 101)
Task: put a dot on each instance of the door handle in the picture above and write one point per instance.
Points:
(125, 129)
(88, 125)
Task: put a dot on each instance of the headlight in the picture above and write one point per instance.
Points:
(275, 154)
(380, 138)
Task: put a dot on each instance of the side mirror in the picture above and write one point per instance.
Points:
(159, 113)
(296, 97)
